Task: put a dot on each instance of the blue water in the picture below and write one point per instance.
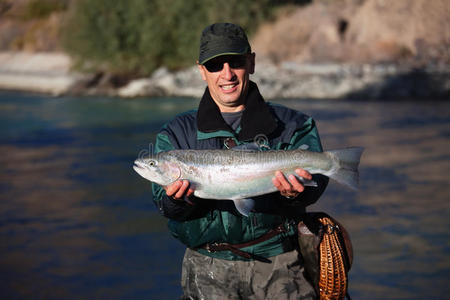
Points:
(76, 222)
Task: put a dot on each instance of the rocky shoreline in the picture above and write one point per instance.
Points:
(50, 73)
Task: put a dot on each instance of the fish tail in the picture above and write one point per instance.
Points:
(347, 172)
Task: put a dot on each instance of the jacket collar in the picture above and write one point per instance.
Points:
(257, 118)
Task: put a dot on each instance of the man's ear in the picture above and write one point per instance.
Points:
(251, 68)
(201, 68)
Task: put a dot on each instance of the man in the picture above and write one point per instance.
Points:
(230, 256)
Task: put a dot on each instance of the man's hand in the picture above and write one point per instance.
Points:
(179, 190)
(291, 188)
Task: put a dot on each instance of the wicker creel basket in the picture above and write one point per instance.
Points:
(326, 248)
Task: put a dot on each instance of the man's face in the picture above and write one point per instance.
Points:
(227, 77)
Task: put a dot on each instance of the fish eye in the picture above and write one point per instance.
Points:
(152, 163)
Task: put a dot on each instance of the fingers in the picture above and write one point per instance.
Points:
(292, 186)
(276, 182)
(179, 189)
(285, 187)
(182, 190)
(190, 191)
(283, 184)
(171, 189)
(303, 173)
(296, 185)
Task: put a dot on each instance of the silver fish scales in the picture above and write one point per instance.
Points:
(239, 175)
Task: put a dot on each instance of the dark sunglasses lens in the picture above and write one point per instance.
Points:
(237, 62)
(216, 65)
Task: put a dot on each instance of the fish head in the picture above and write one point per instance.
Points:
(157, 170)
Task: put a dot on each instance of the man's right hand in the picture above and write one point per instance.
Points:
(179, 190)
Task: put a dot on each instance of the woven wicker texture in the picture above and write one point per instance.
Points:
(333, 269)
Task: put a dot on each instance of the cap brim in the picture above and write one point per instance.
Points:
(213, 54)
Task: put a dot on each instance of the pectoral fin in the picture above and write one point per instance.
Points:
(244, 206)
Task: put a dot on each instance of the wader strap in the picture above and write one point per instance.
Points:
(235, 248)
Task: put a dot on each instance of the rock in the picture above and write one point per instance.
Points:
(50, 73)
(160, 73)
(25, 62)
(185, 83)
(139, 88)
(313, 81)
(36, 72)
(335, 81)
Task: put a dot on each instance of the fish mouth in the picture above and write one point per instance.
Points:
(138, 166)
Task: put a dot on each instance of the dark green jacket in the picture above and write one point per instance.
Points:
(209, 221)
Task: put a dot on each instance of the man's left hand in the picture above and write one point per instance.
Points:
(290, 187)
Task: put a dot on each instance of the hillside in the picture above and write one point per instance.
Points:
(360, 31)
(31, 25)
(357, 31)
(335, 48)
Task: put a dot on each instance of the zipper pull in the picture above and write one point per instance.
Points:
(229, 143)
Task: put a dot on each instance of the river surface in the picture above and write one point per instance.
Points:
(76, 222)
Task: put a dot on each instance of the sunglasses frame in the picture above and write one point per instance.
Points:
(234, 61)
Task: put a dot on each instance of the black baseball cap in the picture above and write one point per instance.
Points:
(222, 39)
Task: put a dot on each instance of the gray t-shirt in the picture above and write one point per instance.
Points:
(233, 119)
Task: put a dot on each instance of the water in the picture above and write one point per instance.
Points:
(76, 222)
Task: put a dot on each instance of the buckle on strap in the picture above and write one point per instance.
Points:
(211, 247)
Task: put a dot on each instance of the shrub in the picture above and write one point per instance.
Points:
(137, 36)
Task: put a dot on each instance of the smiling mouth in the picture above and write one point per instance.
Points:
(228, 87)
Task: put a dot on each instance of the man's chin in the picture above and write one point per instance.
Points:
(232, 100)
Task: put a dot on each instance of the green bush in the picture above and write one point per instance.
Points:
(134, 37)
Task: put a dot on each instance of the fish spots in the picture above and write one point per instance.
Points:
(224, 170)
(192, 170)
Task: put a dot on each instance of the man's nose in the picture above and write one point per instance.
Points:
(227, 71)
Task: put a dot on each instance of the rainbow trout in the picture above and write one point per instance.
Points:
(239, 175)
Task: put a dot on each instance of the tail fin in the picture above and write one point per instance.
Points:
(348, 158)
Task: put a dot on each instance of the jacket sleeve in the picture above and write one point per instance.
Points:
(307, 137)
(173, 209)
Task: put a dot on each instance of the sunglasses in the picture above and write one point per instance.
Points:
(234, 61)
